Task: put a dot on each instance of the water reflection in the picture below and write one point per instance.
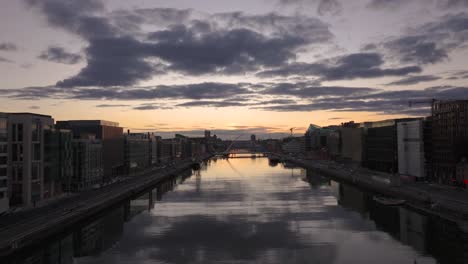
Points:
(252, 211)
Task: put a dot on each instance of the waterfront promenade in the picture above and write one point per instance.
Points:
(26, 228)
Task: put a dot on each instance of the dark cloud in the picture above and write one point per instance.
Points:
(458, 75)
(111, 105)
(131, 20)
(115, 61)
(196, 91)
(358, 65)
(386, 102)
(117, 58)
(324, 7)
(224, 51)
(431, 42)
(447, 4)
(59, 55)
(384, 4)
(332, 7)
(150, 106)
(83, 17)
(415, 80)
(5, 60)
(305, 90)
(417, 49)
(216, 104)
(7, 46)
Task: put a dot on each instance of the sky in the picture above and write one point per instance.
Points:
(233, 67)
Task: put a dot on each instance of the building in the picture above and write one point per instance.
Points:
(351, 143)
(334, 143)
(293, 145)
(4, 200)
(309, 139)
(380, 148)
(58, 157)
(26, 140)
(88, 167)
(449, 139)
(138, 153)
(411, 161)
(111, 136)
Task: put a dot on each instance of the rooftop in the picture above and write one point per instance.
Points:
(89, 123)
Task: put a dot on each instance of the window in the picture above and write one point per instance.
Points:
(3, 160)
(35, 171)
(3, 124)
(35, 132)
(14, 133)
(36, 151)
(3, 183)
(20, 132)
(19, 173)
(3, 172)
(2, 195)
(14, 152)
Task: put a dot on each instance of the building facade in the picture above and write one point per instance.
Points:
(4, 183)
(449, 139)
(411, 160)
(88, 167)
(111, 136)
(293, 145)
(380, 146)
(138, 154)
(27, 162)
(58, 157)
(351, 143)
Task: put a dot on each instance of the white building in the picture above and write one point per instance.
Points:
(411, 149)
(4, 201)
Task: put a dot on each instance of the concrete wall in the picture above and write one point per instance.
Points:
(411, 149)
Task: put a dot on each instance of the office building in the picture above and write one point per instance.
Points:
(58, 157)
(411, 149)
(137, 150)
(88, 167)
(380, 148)
(111, 136)
(449, 139)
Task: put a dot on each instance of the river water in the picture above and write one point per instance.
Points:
(247, 210)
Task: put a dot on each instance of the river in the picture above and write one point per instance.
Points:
(247, 210)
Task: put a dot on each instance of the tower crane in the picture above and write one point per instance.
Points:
(292, 130)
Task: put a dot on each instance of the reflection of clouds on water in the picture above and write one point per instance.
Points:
(257, 214)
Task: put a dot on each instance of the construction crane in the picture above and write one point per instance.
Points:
(428, 101)
(292, 130)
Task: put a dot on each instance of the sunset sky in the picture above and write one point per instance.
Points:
(244, 66)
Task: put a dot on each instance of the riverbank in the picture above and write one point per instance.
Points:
(21, 230)
(443, 201)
